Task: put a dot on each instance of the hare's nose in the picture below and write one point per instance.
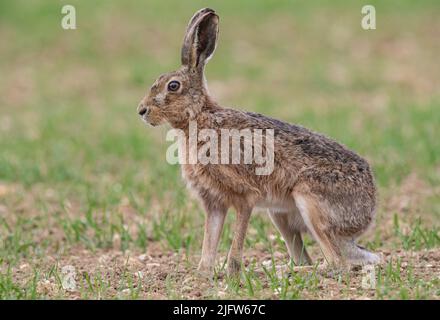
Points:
(142, 110)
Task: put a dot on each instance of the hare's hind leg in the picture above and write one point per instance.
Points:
(285, 223)
(337, 248)
(315, 217)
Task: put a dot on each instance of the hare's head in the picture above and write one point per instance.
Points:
(178, 96)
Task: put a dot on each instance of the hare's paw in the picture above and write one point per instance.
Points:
(234, 267)
(205, 271)
(364, 258)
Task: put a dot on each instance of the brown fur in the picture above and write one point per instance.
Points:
(317, 185)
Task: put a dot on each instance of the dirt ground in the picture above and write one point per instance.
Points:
(158, 274)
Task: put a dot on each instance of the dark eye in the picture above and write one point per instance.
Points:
(174, 85)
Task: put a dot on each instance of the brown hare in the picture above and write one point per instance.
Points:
(317, 185)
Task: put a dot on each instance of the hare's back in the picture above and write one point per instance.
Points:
(312, 145)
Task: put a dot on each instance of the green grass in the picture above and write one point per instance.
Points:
(418, 237)
(81, 176)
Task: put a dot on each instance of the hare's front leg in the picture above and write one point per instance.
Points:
(215, 218)
(236, 251)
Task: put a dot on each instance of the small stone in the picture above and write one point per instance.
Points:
(142, 257)
(152, 265)
(267, 263)
(24, 266)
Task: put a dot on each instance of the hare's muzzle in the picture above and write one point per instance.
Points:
(143, 110)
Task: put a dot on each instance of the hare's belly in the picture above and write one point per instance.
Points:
(288, 206)
(277, 205)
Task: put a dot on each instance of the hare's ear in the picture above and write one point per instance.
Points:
(200, 39)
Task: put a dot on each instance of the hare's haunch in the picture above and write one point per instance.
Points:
(317, 185)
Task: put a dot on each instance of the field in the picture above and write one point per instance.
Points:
(84, 186)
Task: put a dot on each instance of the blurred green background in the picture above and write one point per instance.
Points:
(73, 150)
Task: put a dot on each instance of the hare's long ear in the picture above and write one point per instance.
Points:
(200, 39)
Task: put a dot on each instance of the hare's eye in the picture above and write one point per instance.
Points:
(174, 85)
